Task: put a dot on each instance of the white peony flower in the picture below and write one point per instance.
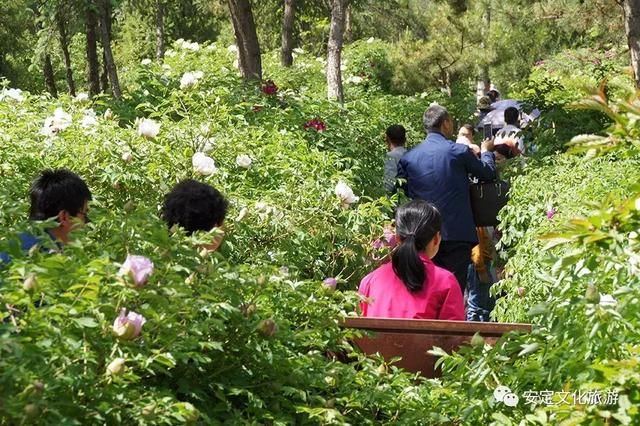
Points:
(203, 164)
(371, 39)
(190, 79)
(191, 46)
(59, 121)
(243, 161)
(607, 300)
(116, 367)
(146, 61)
(638, 204)
(170, 53)
(89, 119)
(232, 48)
(242, 214)
(148, 128)
(355, 79)
(13, 94)
(127, 157)
(298, 50)
(345, 193)
(81, 97)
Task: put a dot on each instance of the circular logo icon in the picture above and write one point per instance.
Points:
(500, 393)
(511, 400)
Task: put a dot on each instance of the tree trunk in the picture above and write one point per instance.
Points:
(348, 30)
(484, 81)
(49, 77)
(93, 67)
(109, 63)
(632, 27)
(286, 54)
(64, 44)
(104, 76)
(336, 34)
(159, 30)
(244, 28)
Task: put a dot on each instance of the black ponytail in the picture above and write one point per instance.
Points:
(417, 222)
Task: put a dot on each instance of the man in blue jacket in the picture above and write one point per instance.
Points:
(438, 171)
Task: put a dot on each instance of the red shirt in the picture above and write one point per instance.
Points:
(387, 296)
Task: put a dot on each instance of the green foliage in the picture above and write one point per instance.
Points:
(247, 335)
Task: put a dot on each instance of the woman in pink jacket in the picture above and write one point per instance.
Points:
(411, 286)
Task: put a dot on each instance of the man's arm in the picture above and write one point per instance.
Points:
(484, 168)
(390, 172)
(401, 174)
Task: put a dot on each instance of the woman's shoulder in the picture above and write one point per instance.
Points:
(442, 277)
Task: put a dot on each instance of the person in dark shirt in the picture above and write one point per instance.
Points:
(438, 171)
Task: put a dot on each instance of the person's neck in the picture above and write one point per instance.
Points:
(437, 131)
(392, 147)
(59, 235)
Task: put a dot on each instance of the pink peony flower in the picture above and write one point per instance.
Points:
(128, 326)
(139, 268)
(389, 236)
(551, 213)
(269, 88)
(316, 124)
(330, 283)
(377, 244)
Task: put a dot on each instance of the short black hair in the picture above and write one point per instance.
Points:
(493, 94)
(505, 150)
(512, 116)
(397, 134)
(56, 190)
(194, 206)
(434, 117)
(470, 128)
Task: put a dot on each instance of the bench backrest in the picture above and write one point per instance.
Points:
(410, 339)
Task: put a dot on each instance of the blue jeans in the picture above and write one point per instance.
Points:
(480, 303)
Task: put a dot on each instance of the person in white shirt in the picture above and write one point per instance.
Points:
(511, 130)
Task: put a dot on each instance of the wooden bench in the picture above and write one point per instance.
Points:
(410, 339)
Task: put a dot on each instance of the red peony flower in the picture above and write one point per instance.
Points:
(316, 124)
(269, 88)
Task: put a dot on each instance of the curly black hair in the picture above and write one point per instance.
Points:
(56, 190)
(194, 206)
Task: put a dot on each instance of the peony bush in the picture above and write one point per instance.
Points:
(133, 324)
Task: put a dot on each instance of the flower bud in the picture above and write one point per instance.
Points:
(31, 411)
(248, 309)
(477, 340)
(520, 291)
(330, 283)
(38, 386)
(127, 157)
(268, 327)
(592, 294)
(116, 367)
(30, 283)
